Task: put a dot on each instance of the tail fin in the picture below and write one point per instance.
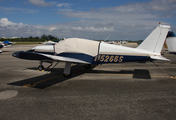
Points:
(154, 42)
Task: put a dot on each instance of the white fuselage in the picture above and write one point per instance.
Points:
(171, 43)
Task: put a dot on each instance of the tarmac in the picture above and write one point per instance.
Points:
(125, 91)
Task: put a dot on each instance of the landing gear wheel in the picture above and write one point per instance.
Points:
(40, 67)
(87, 66)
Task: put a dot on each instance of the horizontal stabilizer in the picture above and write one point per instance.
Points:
(159, 58)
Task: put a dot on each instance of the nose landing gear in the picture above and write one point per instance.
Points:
(41, 67)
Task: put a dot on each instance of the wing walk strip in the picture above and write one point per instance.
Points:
(131, 75)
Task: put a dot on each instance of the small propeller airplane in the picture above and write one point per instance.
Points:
(88, 52)
(5, 44)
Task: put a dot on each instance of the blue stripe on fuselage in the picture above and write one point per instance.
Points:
(104, 58)
(80, 56)
(135, 58)
(30, 56)
(99, 59)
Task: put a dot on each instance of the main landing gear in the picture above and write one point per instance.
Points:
(67, 70)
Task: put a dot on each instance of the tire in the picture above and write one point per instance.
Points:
(40, 67)
(67, 75)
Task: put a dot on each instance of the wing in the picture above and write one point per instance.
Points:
(46, 57)
(65, 59)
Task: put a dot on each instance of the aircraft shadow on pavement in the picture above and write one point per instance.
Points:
(137, 73)
(55, 76)
(141, 74)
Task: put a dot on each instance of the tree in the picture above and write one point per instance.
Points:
(50, 37)
(36, 37)
(30, 37)
(44, 37)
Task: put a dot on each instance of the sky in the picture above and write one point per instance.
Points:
(89, 19)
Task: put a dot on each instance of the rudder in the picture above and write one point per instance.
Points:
(154, 42)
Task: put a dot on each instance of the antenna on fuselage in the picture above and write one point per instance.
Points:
(107, 37)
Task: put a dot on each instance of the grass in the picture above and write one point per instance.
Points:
(25, 43)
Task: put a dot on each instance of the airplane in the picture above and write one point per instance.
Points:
(89, 52)
(171, 42)
(1, 46)
(123, 42)
(49, 43)
(7, 43)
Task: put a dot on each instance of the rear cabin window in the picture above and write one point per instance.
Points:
(171, 34)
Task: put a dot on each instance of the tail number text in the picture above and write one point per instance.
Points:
(108, 58)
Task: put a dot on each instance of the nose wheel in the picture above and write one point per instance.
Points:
(40, 67)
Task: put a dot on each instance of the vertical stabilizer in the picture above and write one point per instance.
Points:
(154, 42)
